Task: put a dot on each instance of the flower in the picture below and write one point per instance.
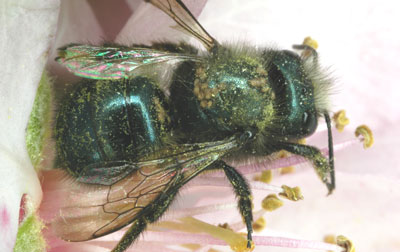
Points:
(27, 29)
(359, 40)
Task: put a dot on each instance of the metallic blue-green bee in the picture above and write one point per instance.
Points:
(138, 136)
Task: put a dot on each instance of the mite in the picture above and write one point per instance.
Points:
(131, 138)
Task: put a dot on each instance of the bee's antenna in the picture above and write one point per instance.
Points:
(330, 143)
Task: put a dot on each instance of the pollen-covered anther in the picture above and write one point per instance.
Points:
(271, 203)
(330, 239)
(287, 170)
(242, 247)
(365, 132)
(310, 42)
(291, 193)
(259, 224)
(345, 243)
(340, 120)
(282, 154)
(225, 226)
(302, 141)
(266, 176)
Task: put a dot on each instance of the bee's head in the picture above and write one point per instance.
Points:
(296, 82)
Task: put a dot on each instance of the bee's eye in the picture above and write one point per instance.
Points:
(309, 123)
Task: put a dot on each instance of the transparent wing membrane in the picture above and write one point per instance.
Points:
(99, 208)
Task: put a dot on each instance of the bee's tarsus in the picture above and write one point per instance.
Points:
(243, 193)
(249, 243)
(322, 166)
(331, 186)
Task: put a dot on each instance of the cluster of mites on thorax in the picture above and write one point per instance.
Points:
(205, 94)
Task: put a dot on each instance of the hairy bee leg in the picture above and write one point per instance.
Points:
(133, 232)
(243, 193)
(319, 161)
(150, 215)
(330, 144)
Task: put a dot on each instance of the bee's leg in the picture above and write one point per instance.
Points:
(149, 215)
(137, 227)
(323, 167)
(243, 193)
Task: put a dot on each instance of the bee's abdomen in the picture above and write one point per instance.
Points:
(109, 121)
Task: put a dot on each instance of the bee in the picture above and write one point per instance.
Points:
(132, 137)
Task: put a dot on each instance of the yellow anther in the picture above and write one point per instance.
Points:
(271, 203)
(366, 133)
(291, 193)
(225, 226)
(302, 141)
(236, 241)
(283, 154)
(340, 120)
(192, 247)
(330, 239)
(266, 176)
(242, 247)
(287, 170)
(310, 42)
(259, 224)
(345, 243)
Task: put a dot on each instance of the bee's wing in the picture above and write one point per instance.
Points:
(108, 62)
(98, 207)
(184, 18)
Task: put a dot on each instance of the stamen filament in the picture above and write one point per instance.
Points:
(220, 181)
(193, 211)
(174, 237)
(294, 243)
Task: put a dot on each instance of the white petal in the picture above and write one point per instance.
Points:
(27, 29)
